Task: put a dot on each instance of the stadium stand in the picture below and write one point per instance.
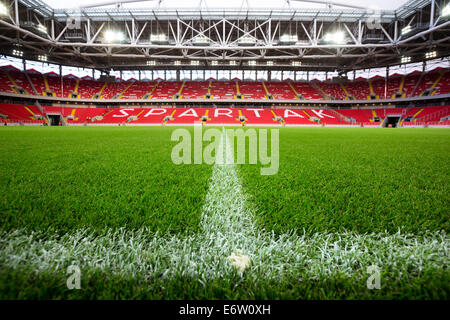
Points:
(280, 90)
(306, 90)
(20, 114)
(358, 89)
(435, 82)
(89, 87)
(223, 89)
(225, 116)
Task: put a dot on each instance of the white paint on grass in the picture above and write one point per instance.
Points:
(228, 231)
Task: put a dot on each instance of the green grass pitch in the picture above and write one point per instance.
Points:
(110, 200)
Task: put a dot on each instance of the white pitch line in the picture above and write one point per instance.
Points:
(227, 224)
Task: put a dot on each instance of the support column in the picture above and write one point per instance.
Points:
(386, 82)
(61, 80)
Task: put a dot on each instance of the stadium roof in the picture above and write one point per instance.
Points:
(386, 4)
(316, 35)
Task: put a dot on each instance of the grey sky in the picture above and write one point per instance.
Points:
(380, 4)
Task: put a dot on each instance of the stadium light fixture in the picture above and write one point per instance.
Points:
(177, 62)
(247, 41)
(288, 39)
(43, 58)
(3, 10)
(269, 63)
(42, 28)
(446, 11)
(337, 37)
(430, 54)
(201, 40)
(406, 30)
(113, 36)
(195, 63)
(296, 63)
(151, 63)
(405, 59)
(233, 62)
(17, 53)
(159, 38)
(252, 62)
(214, 63)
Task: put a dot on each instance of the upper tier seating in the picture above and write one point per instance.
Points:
(280, 90)
(306, 90)
(411, 80)
(223, 89)
(333, 90)
(113, 90)
(378, 87)
(427, 81)
(21, 80)
(139, 89)
(252, 89)
(195, 89)
(166, 89)
(37, 80)
(359, 88)
(443, 86)
(5, 84)
(89, 87)
(415, 84)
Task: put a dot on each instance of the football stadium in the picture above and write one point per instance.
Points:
(225, 150)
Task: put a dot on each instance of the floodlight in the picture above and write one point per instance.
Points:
(3, 10)
(430, 54)
(246, 41)
(113, 36)
(288, 39)
(160, 38)
(446, 11)
(42, 28)
(201, 40)
(405, 59)
(337, 37)
(406, 30)
(17, 53)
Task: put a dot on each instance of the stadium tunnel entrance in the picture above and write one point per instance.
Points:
(391, 121)
(55, 119)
